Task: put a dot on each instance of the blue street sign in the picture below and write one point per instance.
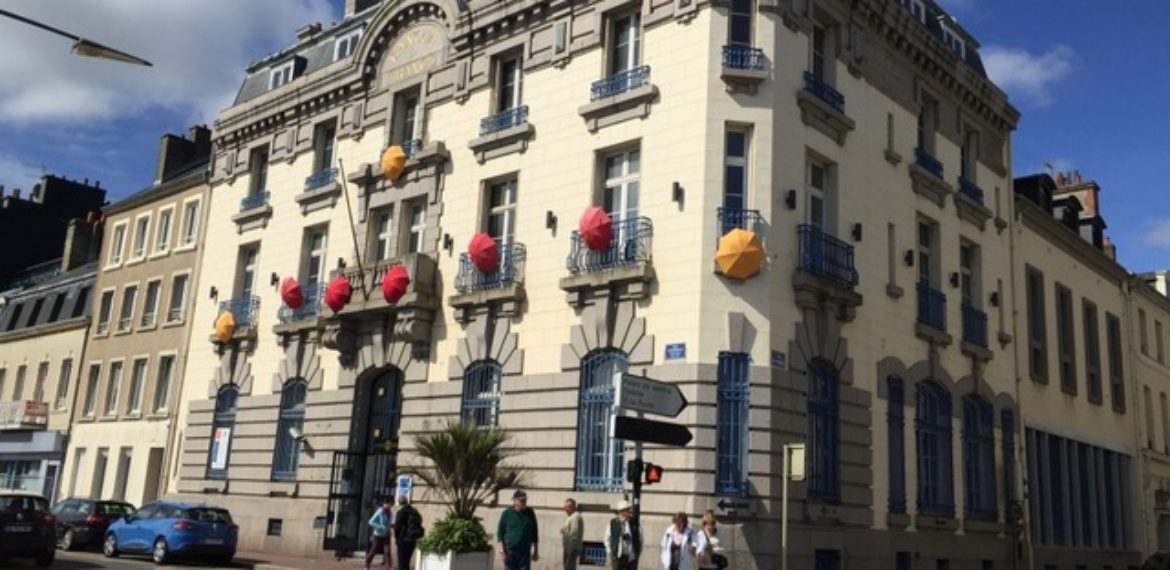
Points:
(779, 359)
(676, 351)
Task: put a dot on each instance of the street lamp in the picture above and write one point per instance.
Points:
(82, 46)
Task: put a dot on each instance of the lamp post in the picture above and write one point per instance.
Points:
(82, 46)
(792, 468)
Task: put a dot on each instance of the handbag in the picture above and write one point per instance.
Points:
(708, 558)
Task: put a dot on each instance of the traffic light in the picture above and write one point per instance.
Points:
(653, 473)
(634, 470)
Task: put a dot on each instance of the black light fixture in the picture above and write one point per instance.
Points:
(909, 258)
(214, 293)
(274, 280)
(676, 192)
(955, 279)
(995, 298)
(790, 199)
(448, 243)
(341, 263)
(857, 231)
(550, 220)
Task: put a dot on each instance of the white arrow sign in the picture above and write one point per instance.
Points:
(642, 394)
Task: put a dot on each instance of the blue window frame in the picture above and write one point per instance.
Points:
(481, 394)
(895, 422)
(223, 422)
(287, 454)
(731, 427)
(600, 458)
(936, 489)
(823, 432)
(979, 459)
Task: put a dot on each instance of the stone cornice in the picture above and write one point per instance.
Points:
(45, 330)
(1035, 218)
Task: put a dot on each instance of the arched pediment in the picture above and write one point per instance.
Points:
(406, 39)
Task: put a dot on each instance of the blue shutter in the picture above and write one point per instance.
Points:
(823, 432)
(731, 427)
(292, 416)
(481, 394)
(600, 458)
(895, 420)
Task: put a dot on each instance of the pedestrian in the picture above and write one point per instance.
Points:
(408, 530)
(623, 544)
(572, 535)
(380, 534)
(518, 539)
(679, 545)
(710, 551)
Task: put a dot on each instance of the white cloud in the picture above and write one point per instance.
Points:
(1026, 75)
(1157, 234)
(199, 48)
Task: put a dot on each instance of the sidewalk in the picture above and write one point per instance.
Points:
(266, 561)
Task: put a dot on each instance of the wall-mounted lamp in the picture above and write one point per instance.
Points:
(448, 243)
(995, 298)
(550, 220)
(857, 231)
(676, 192)
(790, 199)
(274, 280)
(214, 293)
(341, 263)
(955, 279)
(909, 258)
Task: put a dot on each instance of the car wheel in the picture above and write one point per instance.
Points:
(159, 553)
(67, 541)
(45, 560)
(110, 546)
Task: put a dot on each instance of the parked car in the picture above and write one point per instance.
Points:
(26, 527)
(166, 530)
(82, 523)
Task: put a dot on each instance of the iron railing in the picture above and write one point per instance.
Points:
(826, 256)
(970, 190)
(255, 200)
(974, 325)
(513, 117)
(630, 245)
(620, 82)
(823, 91)
(932, 306)
(736, 56)
(928, 162)
(320, 179)
(732, 218)
(411, 147)
(601, 462)
(312, 304)
(731, 424)
(243, 309)
(511, 270)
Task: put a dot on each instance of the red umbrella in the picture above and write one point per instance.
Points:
(485, 253)
(394, 284)
(291, 294)
(338, 292)
(596, 228)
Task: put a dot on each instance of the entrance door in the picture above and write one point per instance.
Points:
(50, 488)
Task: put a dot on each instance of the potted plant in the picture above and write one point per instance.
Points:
(465, 466)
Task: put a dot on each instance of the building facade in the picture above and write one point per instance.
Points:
(45, 211)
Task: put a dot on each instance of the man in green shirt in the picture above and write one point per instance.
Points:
(518, 540)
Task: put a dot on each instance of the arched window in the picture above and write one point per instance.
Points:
(936, 486)
(979, 459)
(895, 428)
(289, 427)
(600, 458)
(481, 394)
(823, 432)
(222, 424)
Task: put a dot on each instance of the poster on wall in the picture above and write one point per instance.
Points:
(219, 448)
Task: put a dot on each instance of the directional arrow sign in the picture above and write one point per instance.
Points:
(732, 505)
(651, 431)
(642, 394)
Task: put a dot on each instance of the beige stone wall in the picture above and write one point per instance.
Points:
(67, 342)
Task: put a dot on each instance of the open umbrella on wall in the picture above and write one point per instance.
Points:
(393, 162)
(394, 284)
(338, 293)
(740, 254)
(596, 228)
(484, 252)
(225, 326)
(291, 293)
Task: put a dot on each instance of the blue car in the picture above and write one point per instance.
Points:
(167, 530)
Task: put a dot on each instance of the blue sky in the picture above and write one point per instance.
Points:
(1090, 77)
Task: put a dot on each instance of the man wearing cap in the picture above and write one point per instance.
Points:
(623, 544)
(517, 536)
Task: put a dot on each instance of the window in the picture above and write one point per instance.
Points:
(917, 9)
(895, 422)
(112, 388)
(126, 314)
(624, 45)
(141, 232)
(18, 386)
(117, 244)
(1116, 368)
(150, 306)
(381, 233)
(1037, 327)
(78, 459)
(162, 239)
(313, 272)
(501, 210)
(222, 423)
(933, 423)
(178, 297)
(288, 429)
(246, 271)
(35, 313)
(620, 192)
(731, 424)
(481, 394)
(821, 61)
(416, 231)
(59, 303)
(1142, 334)
(62, 395)
(346, 45)
(258, 171)
(979, 459)
(735, 179)
(406, 110)
(1066, 347)
(324, 138)
(1160, 350)
(190, 222)
(91, 389)
(600, 458)
(954, 42)
(823, 432)
(137, 384)
(39, 386)
(927, 243)
(99, 473)
(1092, 351)
(969, 274)
(1148, 398)
(739, 22)
(1068, 478)
(1165, 409)
(927, 124)
(81, 304)
(1008, 433)
(509, 79)
(162, 388)
(968, 154)
(281, 75)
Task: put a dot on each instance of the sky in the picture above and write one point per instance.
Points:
(1091, 79)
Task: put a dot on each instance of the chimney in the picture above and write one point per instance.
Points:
(309, 30)
(1110, 249)
(176, 153)
(80, 241)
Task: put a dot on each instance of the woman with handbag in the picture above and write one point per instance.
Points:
(679, 545)
(710, 552)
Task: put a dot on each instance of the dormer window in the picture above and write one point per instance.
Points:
(954, 42)
(916, 9)
(346, 45)
(281, 75)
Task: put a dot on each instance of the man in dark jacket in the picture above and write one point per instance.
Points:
(408, 530)
(518, 541)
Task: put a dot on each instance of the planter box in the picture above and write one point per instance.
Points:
(448, 561)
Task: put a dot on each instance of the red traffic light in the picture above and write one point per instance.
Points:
(653, 473)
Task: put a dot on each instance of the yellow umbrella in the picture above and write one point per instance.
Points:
(740, 254)
(225, 326)
(393, 162)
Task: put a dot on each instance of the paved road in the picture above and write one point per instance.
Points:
(95, 561)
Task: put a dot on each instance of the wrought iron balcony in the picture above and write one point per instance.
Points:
(928, 162)
(630, 245)
(321, 179)
(969, 189)
(823, 91)
(253, 201)
(974, 325)
(510, 271)
(513, 117)
(736, 56)
(932, 306)
(619, 83)
(243, 309)
(826, 256)
(732, 218)
(312, 304)
(411, 147)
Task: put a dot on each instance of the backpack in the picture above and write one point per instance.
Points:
(414, 527)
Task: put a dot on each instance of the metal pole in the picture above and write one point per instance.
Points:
(784, 512)
(357, 252)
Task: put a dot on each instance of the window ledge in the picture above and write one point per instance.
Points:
(898, 520)
(930, 522)
(160, 253)
(929, 185)
(811, 290)
(893, 157)
(632, 104)
(102, 334)
(823, 513)
(932, 335)
(172, 324)
(253, 217)
(309, 322)
(508, 298)
(975, 351)
(743, 80)
(150, 327)
(502, 142)
(982, 526)
(135, 260)
(636, 278)
(283, 488)
(319, 198)
(822, 117)
(972, 211)
(185, 247)
(123, 332)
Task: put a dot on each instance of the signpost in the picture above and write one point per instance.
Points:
(651, 431)
(792, 468)
(645, 395)
(642, 394)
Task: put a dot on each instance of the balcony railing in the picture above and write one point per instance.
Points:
(619, 83)
(826, 256)
(823, 91)
(630, 245)
(243, 309)
(732, 218)
(970, 190)
(932, 306)
(974, 325)
(256, 200)
(511, 270)
(23, 414)
(309, 308)
(736, 56)
(320, 179)
(513, 117)
(411, 147)
(928, 162)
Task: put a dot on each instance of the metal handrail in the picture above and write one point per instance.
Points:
(823, 91)
(974, 325)
(254, 200)
(932, 306)
(970, 190)
(243, 309)
(630, 245)
(312, 304)
(511, 270)
(928, 162)
(411, 147)
(738, 56)
(826, 256)
(732, 218)
(620, 82)
(513, 117)
(320, 179)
